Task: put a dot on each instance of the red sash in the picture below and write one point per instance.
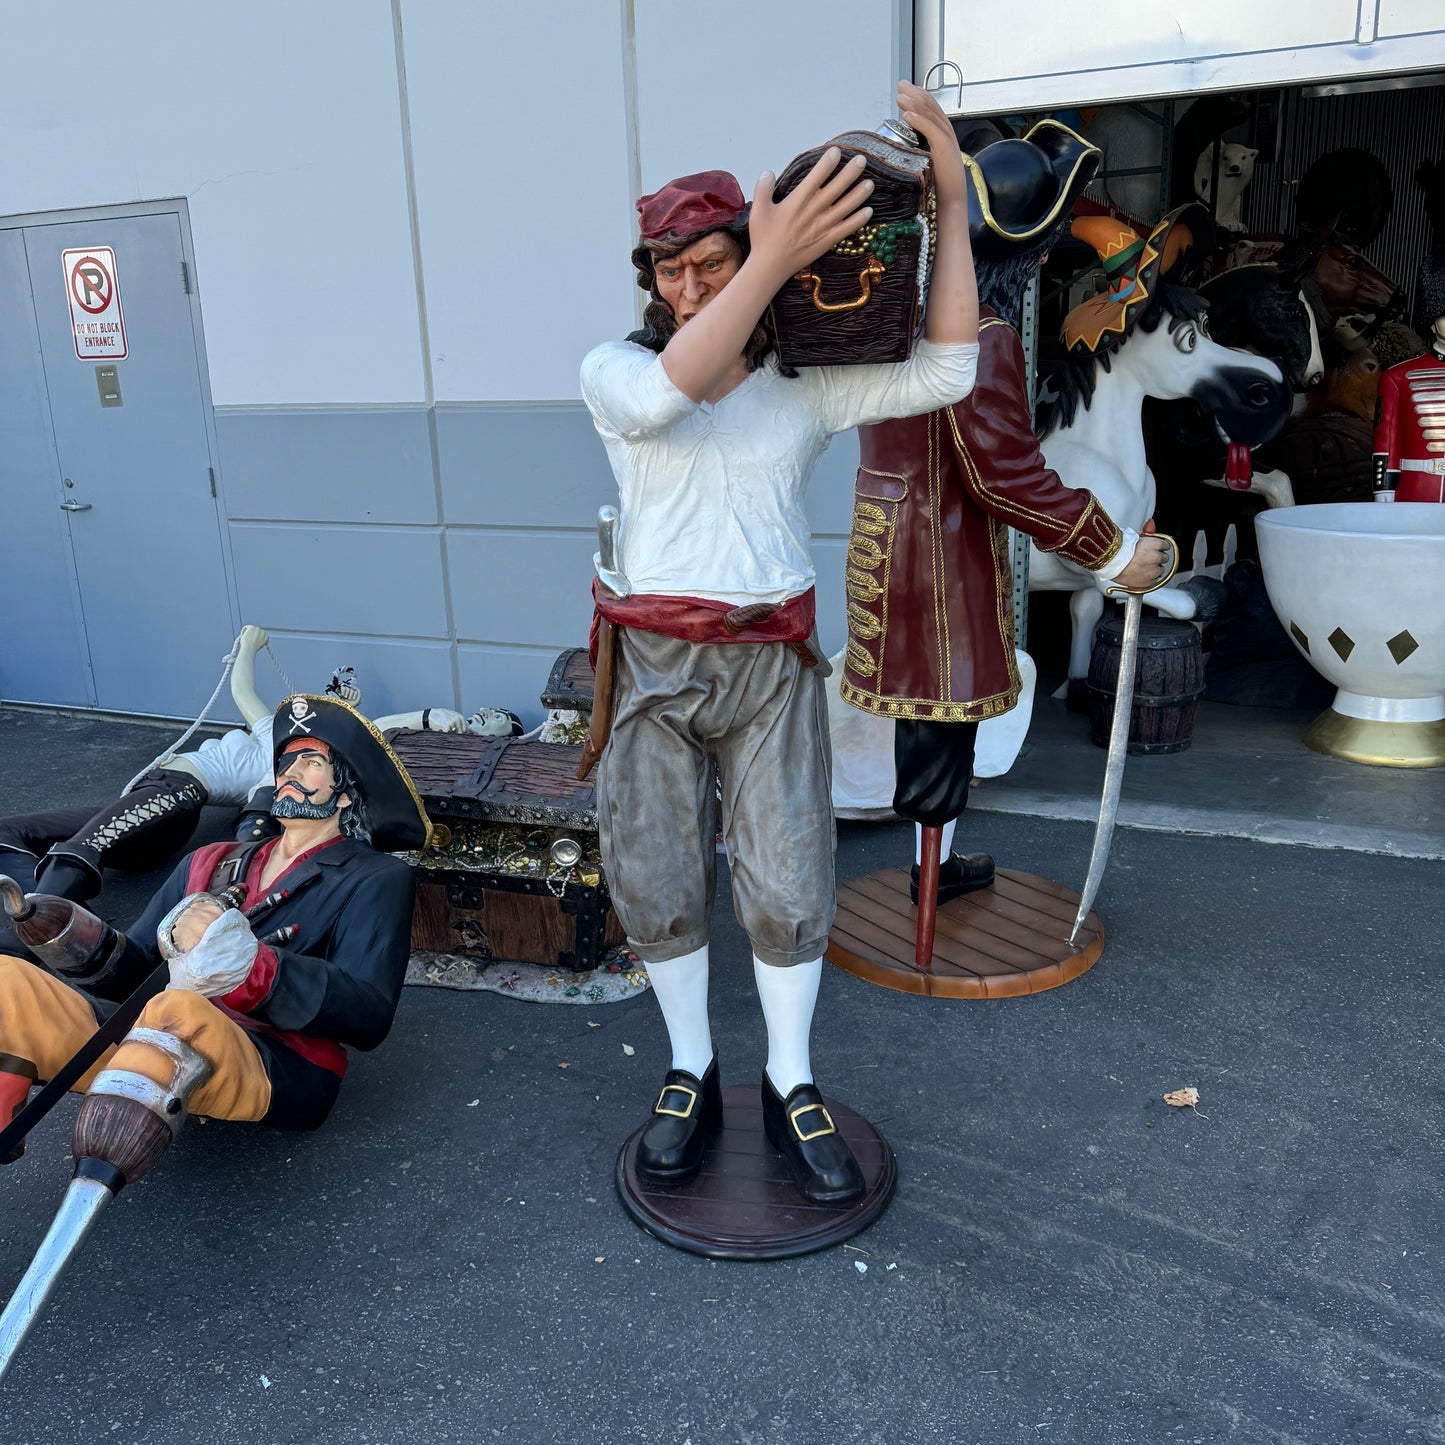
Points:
(701, 619)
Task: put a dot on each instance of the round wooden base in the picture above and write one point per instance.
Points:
(1003, 941)
(742, 1204)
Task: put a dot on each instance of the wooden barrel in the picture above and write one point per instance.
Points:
(1168, 683)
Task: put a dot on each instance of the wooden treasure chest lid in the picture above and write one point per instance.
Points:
(498, 780)
(570, 683)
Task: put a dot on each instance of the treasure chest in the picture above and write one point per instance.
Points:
(517, 876)
(569, 684)
(863, 300)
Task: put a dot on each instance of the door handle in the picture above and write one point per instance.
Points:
(75, 506)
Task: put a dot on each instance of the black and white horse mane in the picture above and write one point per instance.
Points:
(1073, 384)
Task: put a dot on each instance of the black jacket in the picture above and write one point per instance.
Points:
(341, 976)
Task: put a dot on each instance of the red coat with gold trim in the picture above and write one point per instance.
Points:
(1411, 429)
(929, 572)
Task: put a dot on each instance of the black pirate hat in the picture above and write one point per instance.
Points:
(1021, 188)
(393, 806)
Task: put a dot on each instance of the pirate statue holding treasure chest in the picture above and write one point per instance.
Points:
(706, 610)
(235, 994)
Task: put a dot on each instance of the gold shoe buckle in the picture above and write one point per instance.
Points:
(676, 1089)
(828, 1127)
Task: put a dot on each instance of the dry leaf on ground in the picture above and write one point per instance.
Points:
(1183, 1098)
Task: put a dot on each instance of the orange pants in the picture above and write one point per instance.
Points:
(45, 1021)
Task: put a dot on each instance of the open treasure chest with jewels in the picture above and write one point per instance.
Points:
(517, 875)
(863, 300)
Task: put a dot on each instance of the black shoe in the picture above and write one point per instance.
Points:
(687, 1114)
(958, 874)
(802, 1131)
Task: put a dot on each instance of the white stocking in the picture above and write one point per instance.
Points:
(787, 996)
(944, 847)
(680, 985)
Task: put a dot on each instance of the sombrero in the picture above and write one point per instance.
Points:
(393, 806)
(1175, 248)
(1021, 187)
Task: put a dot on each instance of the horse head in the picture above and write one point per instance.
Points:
(1268, 308)
(1350, 284)
(1246, 396)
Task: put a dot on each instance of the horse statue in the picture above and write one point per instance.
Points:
(1148, 337)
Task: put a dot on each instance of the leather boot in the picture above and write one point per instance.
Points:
(687, 1115)
(959, 873)
(818, 1157)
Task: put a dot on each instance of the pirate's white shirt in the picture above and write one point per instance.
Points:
(233, 765)
(712, 494)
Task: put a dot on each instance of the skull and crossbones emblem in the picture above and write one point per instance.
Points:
(302, 713)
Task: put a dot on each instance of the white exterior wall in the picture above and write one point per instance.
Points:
(279, 123)
(531, 128)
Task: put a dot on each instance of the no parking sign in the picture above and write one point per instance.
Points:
(93, 288)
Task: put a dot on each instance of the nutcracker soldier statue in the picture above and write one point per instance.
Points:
(1410, 432)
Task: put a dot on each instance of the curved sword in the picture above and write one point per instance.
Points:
(1118, 736)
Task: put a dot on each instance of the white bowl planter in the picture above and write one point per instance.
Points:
(1360, 588)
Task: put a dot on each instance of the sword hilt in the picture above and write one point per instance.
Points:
(1113, 589)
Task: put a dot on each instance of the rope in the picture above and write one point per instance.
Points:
(290, 688)
(165, 757)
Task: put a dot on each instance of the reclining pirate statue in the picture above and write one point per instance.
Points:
(240, 985)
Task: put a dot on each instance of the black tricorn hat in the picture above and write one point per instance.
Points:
(393, 805)
(1020, 188)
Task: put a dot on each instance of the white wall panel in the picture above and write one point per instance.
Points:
(280, 124)
(367, 581)
(747, 86)
(1410, 17)
(1065, 53)
(519, 133)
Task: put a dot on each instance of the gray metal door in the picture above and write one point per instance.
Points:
(42, 649)
(135, 485)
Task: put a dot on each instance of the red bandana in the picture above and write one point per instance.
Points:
(304, 745)
(691, 204)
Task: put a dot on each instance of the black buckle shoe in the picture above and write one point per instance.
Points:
(687, 1114)
(958, 874)
(801, 1129)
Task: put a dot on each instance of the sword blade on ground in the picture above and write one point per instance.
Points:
(76, 1217)
(1114, 767)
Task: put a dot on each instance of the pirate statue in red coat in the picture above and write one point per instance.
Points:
(929, 576)
(235, 994)
(1410, 432)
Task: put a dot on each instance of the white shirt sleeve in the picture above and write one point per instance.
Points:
(937, 374)
(628, 391)
(1121, 558)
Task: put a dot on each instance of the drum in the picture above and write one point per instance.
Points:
(1168, 683)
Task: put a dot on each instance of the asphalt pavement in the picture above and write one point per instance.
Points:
(1068, 1258)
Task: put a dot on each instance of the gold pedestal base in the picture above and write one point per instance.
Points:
(1385, 744)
